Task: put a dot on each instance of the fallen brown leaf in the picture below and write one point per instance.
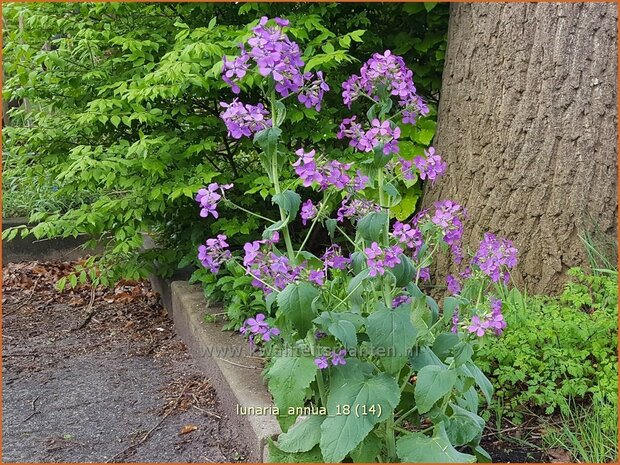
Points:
(188, 429)
(559, 456)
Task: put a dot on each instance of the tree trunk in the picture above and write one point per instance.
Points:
(527, 125)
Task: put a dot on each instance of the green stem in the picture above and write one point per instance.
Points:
(239, 207)
(390, 438)
(386, 239)
(314, 222)
(276, 181)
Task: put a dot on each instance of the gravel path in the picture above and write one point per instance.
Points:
(99, 375)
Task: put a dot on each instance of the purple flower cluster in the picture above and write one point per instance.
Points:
(454, 287)
(495, 256)
(312, 94)
(408, 235)
(258, 330)
(337, 358)
(380, 133)
(268, 269)
(400, 300)
(355, 208)
(209, 198)
(308, 211)
(430, 167)
(386, 73)
(214, 253)
(333, 258)
(277, 56)
(449, 217)
(493, 321)
(378, 259)
(244, 119)
(324, 173)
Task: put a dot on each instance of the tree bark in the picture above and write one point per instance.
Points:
(527, 125)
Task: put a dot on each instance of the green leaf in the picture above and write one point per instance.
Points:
(340, 434)
(115, 120)
(344, 331)
(404, 271)
(289, 201)
(449, 305)
(289, 378)
(303, 436)
(443, 343)
(433, 383)
(424, 357)
(295, 302)
(371, 226)
(419, 448)
(392, 331)
(278, 456)
(267, 139)
(367, 450)
(463, 426)
(482, 381)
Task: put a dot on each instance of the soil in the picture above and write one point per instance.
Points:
(98, 375)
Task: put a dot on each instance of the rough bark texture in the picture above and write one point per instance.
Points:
(527, 125)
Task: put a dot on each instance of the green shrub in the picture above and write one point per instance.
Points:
(556, 348)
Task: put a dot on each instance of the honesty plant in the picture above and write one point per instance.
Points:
(379, 371)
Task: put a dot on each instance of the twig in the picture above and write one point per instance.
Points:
(90, 310)
(207, 412)
(237, 364)
(34, 410)
(23, 304)
(145, 437)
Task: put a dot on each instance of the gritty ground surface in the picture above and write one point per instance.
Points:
(99, 375)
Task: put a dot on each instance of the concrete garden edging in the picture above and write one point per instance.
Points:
(226, 359)
(29, 249)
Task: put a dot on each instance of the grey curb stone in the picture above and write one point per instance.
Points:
(227, 360)
(28, 248)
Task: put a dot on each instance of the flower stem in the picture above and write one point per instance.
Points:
(239, 207)
(386, 238)
(276, 181)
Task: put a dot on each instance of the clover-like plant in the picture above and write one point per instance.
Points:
(367, 367)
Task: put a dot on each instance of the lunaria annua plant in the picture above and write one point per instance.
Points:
(367, 361)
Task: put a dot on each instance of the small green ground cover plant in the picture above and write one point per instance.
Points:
(363, 365)
(558, 349)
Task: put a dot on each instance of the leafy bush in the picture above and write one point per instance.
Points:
(559, 348)
(354, 345)
(120, 101)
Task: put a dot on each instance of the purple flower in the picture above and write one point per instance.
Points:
(407, 169)
(321, 362)
(214, 253)
(379, 133)
(455, 321)
(269, 333)
(360, 181)
(454, 287)
(308, 211)
(235, 69)
(244, 119)
(409, 235)
(209, 198)
(478, 326)
(430, 167)
(317, 277)
(338, 357)
(449, 217)
(378, 259)
(355, 208)
(318, 335)
(496, 319)
(425, 274)
(312, 94)
(257, 323)
(333, 258)
(495, 256)
(400, 300)
(383, 74)
(306, 167)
